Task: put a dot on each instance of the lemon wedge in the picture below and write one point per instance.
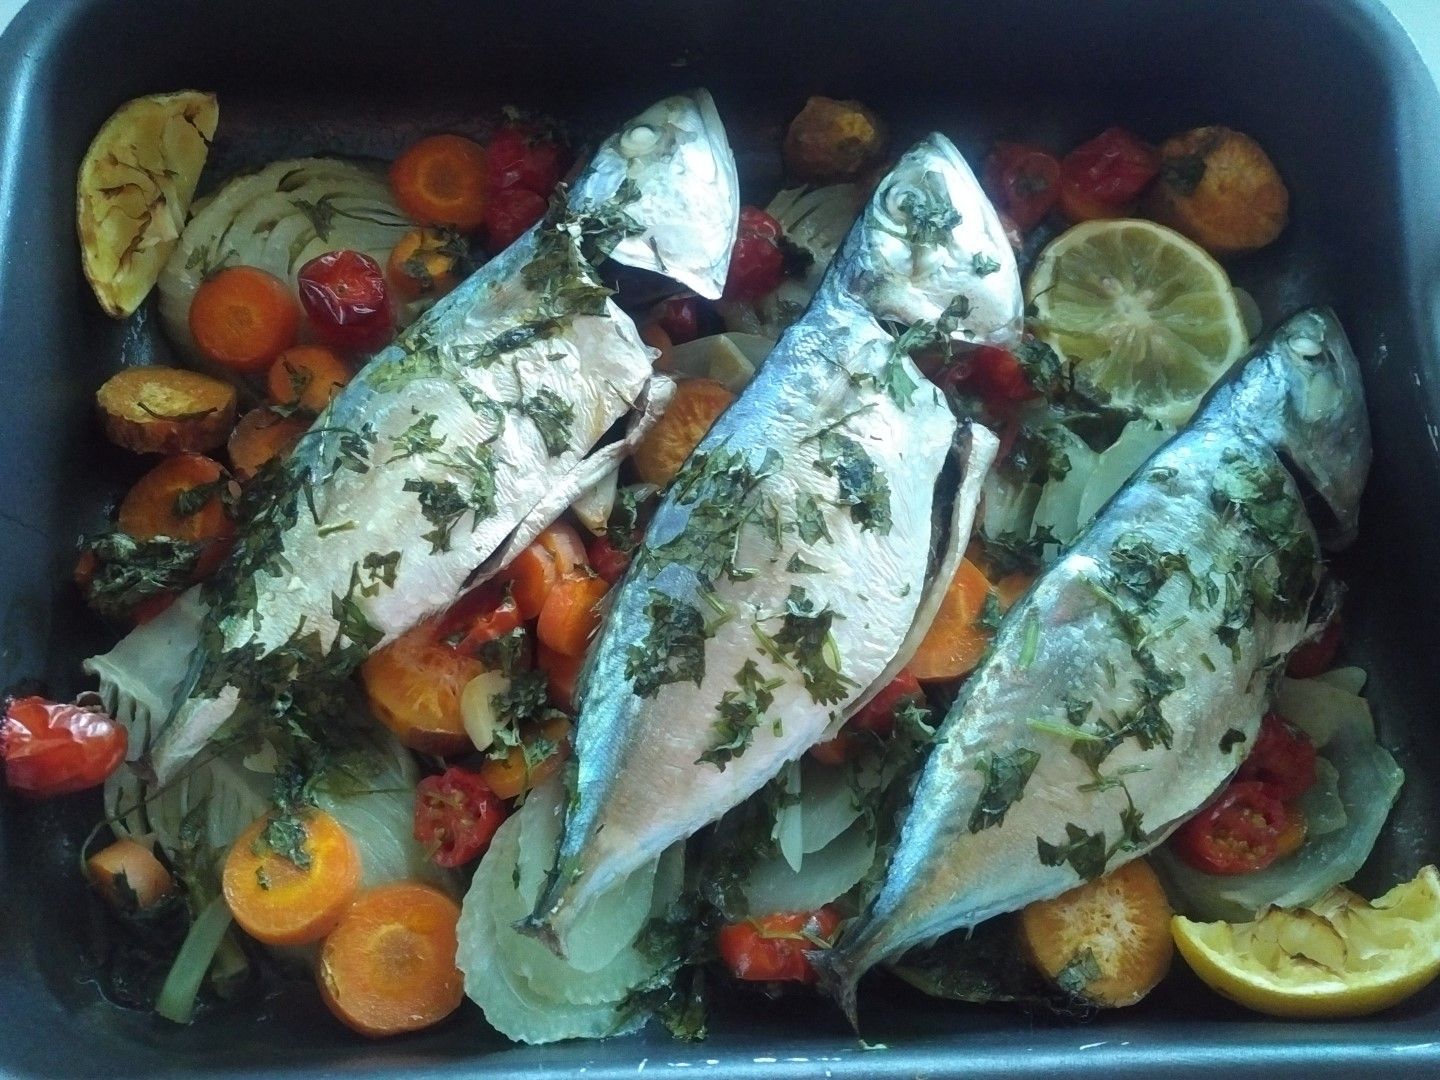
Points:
(1337, 957)
(134, 190)
(1149, 319)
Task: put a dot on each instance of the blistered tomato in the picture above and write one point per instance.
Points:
(348, 301)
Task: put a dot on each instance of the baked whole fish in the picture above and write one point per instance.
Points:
(1127, 685)
(796, 561)
(450, 451)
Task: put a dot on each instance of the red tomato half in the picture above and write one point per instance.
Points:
(53, 749)
(607, 560)
(520, 157)
(1103, 177)
(348, 300)
(1283, 759)
(756, 264)
(509, 215)
(486, 612)
(1237, 833)
(1318, 656)
(1024, 182)
(680, 318)
(772, 948)
(456, 814)
(877, 717)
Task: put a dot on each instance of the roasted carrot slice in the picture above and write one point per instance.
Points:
(414, 686)
(956, 639)
(243, 318)
(424, 262)
(442, 180)
(129, 876)
(698, 403)
(182, 498)
(571, 614)
(262, 435)
(535, 761)
(307, 376)
(160, 410)
(288, 880)
(557, 552)
(1107, 941)
(389, 967)
(1011, 587)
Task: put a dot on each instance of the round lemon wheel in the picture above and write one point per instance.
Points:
(1149, 319)
(1337, 957)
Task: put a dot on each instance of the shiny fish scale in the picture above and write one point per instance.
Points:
(711, 671)
(452, 448)
(1130, 681)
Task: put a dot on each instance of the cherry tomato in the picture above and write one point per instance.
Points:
(348, 300)
(756, 263)
(483, 614)
(680, 318)
(456, 814)
(53, 749)
(877, 718)
(509, 216)
(1283, 759)
(519, 156)
(607, 560)
(1023, 181)
(1103, 177)
(1237, 833)
(1318, 656)
(772, 948)
(999, 377)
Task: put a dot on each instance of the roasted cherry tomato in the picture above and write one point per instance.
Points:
(1283, 759)
(1237, 833)
(53, 749)
(1103, 177)
(680, 318)
(772, 948)
(607, 560)
(876, 719)
(486, 612)
(519, 156)
(756, 262)
(998, 376)
(456, 814)
(1024, 182)
(1318, 656)
(509, 216)
(348, 300)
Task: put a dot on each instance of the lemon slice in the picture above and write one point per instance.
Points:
(1339, 956)
(134, 190)
(1148, 318)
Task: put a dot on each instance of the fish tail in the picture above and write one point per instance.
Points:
(839, 976)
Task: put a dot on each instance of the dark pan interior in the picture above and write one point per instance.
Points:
(1331, 88)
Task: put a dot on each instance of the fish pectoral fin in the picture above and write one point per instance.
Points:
(977, 450)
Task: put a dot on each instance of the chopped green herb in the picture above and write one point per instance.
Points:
(983, 265)
(810, 520)
(1232, 738)
(862, 486)
(741, 711)
(1078, 973)
(805, 637)
(417, 439)
(1005, 778)
(674, 648)
(1082, 851)
(1040, 363)
(128, 570)
(1030, 641)
(990, 614)
(797, 565)
(553, 417)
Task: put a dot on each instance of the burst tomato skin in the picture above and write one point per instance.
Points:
(1237, 833)
(756, 262)
(607, 560)
(1024, 181)
(1103, 177)
(772, 948)
(485, 613)
(347, 298)
(509, 216)
(1282, 759)
(456, 815)
(54, 749)
(521, 157)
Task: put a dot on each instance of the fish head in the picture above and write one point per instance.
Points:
(929, 248)
(672, 173)
(1302, 393)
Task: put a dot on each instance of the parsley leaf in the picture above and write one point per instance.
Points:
(1084, 852)
(672, 651)
(552, 416)
(1005, 778)
(862, 486)
(805, 637)
(741, 711)
(1078, 973)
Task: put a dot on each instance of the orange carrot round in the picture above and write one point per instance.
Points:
(697, 404)
(442, 180)
(307, 376)
(424, 262)
(169, 501)
(956, 640)
(1011, 587)
(571, 614)
(262, 434)
(242, 318)
(557, 552)
(414, 686)
(128, 875)
(511, 775)
(562, 673)
(389, 966)
(288, 881)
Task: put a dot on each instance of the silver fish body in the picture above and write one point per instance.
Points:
(457, 444)
(796, 561)
(1127, 685)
